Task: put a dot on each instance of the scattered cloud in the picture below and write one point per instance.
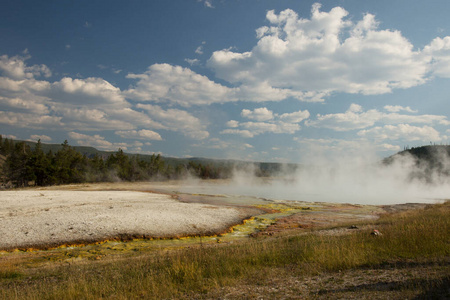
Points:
(182, 86)
(259, 114)
(232, 124)
(355, 118)
(98, 141)
(242, 133)
(402, 131)
(177, 120)
(142, 134)
(199, 49)
(192, 62)
(295, 117)
(267, 122)
(207, 3)
(43, 138)
(397, 108)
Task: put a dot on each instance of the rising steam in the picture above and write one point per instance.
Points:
(358, 180)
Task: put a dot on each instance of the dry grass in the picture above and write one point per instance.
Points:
(415, 238)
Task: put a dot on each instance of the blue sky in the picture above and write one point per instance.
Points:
(259, 80)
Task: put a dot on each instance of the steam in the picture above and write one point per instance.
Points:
(350, 179)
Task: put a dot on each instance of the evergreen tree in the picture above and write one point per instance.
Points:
(16, 165)
(38, 165)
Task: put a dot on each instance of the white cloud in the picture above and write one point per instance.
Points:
(164, 82)
(267, 122)
(9, 136)
(89, 119)
(402, 131)
(26, 105)
(97, 141)
(397, 108)
(199, 49)
(439, 51)
(177, 120)
(279, 127)
(10, 86)
(243, 133)
(232, 123)
(192, 62)
(356, 118)
(89, 91)
(15, 68)
(23, 120)
(295, 117)
(310, 58)
(251, 129)
(207, 3)
(43, 138)
(142, 134)
(258, 114)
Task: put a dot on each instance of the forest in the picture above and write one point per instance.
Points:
(22, 165)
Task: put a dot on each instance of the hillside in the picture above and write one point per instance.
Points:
(429, 161)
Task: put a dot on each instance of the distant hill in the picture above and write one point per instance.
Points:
(430, 161)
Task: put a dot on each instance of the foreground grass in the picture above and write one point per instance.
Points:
(415, 236)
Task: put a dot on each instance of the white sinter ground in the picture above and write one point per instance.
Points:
(51, 217)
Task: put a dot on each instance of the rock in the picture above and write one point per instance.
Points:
(375, 232)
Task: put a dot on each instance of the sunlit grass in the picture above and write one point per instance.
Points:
(414, 235)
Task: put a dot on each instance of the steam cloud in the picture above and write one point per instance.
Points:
(355, 180)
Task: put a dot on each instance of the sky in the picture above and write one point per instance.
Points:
(258, 80)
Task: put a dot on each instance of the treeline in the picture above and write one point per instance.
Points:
(22, 165)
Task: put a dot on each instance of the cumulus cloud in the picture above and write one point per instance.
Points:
(89, 91)
(99, 142)
(232, 123)
(439, 51)
(310, 58)
(43, 138)
(15, 68)
(398, 108)
(242, 133)
(164, 82)
(278, 127)
(267, 122)
(192, 62)
(258, 114)
(142, 134)
(24, 120)
(356, 118)
(177, 120)
(24, 105)
(295, 117)
(402, 131)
